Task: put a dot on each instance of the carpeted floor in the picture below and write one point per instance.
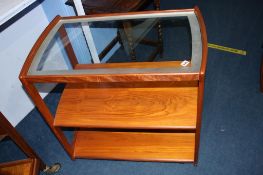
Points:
(232, 126)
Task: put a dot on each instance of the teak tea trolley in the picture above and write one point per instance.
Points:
(140, 111)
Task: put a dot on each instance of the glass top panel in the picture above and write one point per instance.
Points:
(137, 39)
(165, 43)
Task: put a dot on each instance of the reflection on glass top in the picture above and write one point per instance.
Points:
(167, 43)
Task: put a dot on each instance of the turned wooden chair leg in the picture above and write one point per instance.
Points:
(128, 31)
(261, 75)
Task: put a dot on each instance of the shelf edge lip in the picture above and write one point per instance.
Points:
(136, 160)
(128, 128)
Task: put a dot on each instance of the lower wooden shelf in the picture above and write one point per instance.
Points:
(136, 146)
(20, 167)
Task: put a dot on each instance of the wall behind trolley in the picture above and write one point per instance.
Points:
(17, 37)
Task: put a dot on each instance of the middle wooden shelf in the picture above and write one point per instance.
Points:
(105, 106)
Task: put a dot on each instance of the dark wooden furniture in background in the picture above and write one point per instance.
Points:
(150, 113)
(117, 6)
(30, 166)
(113, 6)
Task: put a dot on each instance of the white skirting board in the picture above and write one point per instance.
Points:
(9, 8)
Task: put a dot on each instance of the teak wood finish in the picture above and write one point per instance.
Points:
(30, 166)
(167, 108)
(175, 150)
(20, 167)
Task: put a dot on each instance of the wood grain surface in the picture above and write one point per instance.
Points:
(141, 108)
(84, 78)
(138, 146)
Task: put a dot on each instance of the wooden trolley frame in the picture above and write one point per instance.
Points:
(196, 78)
